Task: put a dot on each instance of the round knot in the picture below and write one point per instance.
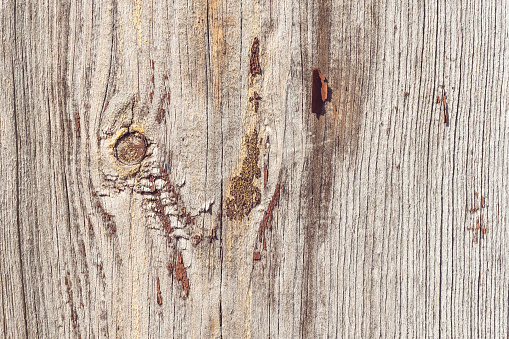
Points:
(131, 148)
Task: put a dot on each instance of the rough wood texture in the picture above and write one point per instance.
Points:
(384, 217)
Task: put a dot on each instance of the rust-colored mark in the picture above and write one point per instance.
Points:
(90, 226)
(267, 217)
(159, 296)
(254, 64)
(265, 175)
(77, 123)
(406, 95)
(131, 148)
(319, 91)
(181, 275)
(106, 105)
(446, 118)
(482, 201)
(170, 269)
(83, 251)
(244, 195)
(257, 255)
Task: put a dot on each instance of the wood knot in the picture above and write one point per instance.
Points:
(131, 148)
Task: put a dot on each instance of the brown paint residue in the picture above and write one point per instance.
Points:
(257, 255)
(267, 217)
(181, 275)
(244, 195)
(319, 91)
(254, 64)
(131, 148)
(170, 269)
(159, 296)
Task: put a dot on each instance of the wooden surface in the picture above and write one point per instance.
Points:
(249, 216)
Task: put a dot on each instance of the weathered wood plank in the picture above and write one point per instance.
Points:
(163, 175)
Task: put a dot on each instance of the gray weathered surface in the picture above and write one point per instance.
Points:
(375, 233)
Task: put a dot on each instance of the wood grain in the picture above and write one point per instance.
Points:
(384, 217)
